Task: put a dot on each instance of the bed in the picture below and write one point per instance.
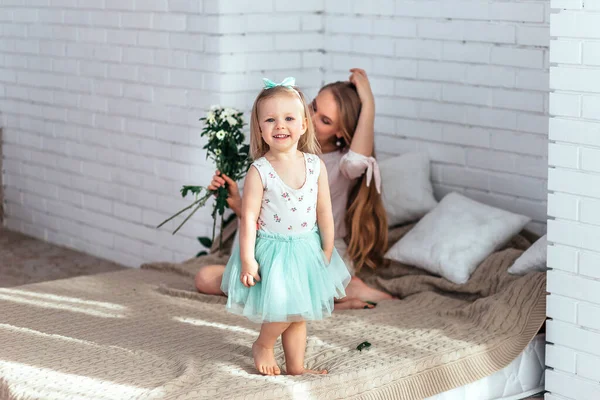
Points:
(147, 334)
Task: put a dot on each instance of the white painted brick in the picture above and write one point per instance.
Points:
(153, 39)
(563, 309)
(571, 24)
(312, 22)
(575, 79)
(533, 36)
(152, 5)
(590, 108)
(587, 366)
(237, 7)
(575, 131)
(442, 71)
(588, 264)
(589, 211)
(563, 206)
(516, 185)
(587, 159)
(169, 22)
(591, 53)
(466, 52)
(571, 386)
(257, 23)
(357, 25)
(187, 6)
(482, 75)
(574, 234)
(136, 20)
(588, 316)
(395, 67)
(441, 112)
(527, 58)
(120, 5)
(565, 51)
(394, 27)
(564, 104)
(171, 58)
(563, 155)
(494, 118)
(135, 55)
(127, 212)
(567, 4)
(419, 49)
(439, 29)
(489, 32)
(138, 92)
(466, 94)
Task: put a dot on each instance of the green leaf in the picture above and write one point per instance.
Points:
(205, 241)
(363, 345)
(201, 253)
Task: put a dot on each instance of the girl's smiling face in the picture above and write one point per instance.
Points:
(281, 121)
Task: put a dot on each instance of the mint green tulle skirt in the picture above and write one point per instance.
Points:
(296, 282)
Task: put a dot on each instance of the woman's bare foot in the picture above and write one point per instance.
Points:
(358, 289)
(264, 359)
(351, 303)
(302, 371)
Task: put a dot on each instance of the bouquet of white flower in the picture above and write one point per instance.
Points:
(223, 128)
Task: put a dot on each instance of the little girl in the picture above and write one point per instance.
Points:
(285, 270)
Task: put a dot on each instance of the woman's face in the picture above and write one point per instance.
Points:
(325, 116)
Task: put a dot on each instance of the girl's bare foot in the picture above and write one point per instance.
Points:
(264, 359)
(302, 371)
(350, 303)
(358, 289)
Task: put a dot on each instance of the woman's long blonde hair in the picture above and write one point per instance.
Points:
(308, 141)
(366, 219)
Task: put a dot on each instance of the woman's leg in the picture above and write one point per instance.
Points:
(208, 279)
(262, 349)
(359, 290)
(294, 347)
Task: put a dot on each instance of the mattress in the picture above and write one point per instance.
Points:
(523, 377)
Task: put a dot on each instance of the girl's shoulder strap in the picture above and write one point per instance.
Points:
(313, 165)
(262, 166)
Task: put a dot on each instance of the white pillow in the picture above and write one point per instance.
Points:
(533, 259)
(454, 238)
(407, 190)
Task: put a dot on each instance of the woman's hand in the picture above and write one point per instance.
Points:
(359, 78)
(234, 200)
(249, 275)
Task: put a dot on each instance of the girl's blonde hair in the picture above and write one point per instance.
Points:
(366, 219)
(308, 141)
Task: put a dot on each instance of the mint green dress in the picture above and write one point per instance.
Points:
(297, 283)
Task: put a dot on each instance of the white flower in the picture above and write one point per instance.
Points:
(221, 134)
(210, 118)
(232, 121)
(217, 152)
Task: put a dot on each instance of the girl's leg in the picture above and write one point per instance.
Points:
(208, 279)
(294, 347)
(262, 349)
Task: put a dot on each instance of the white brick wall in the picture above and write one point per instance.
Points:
(573, 353)
(465, 81)
(101, 100)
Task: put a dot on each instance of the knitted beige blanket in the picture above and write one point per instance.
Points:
(147, 334)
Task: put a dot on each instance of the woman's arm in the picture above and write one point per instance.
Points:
(234, 200)
(253, 194)
(325, 213)
(362, 141)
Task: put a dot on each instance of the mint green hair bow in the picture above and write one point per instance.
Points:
(289, 82)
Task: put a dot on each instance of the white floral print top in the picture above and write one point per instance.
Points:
(284, 209)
